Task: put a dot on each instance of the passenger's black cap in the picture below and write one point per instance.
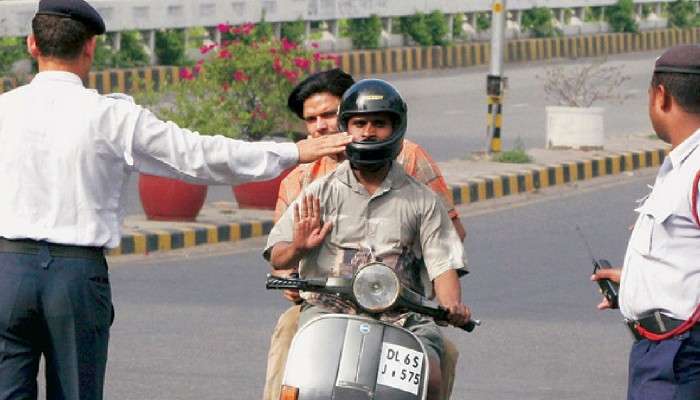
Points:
(78, 10)
(683, 59)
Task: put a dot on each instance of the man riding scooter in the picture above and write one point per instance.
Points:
(369, 209)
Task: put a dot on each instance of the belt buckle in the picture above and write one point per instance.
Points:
(632, 325)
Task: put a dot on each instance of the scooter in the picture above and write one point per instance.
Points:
(352, 357)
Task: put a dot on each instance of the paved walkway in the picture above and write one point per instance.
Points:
(472, 180)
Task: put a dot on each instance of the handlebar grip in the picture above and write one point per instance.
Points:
(469, 326)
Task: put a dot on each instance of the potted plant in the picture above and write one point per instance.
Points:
(239, 89)
(574, 122)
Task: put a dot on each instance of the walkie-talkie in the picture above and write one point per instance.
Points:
(608, 288)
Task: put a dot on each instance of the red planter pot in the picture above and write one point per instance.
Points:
(166, 199)
(262, 195)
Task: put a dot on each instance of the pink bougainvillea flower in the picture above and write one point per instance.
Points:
(291, 75)
(225, 87)
(247, 28)
(224, 54)
(277, 65)
(186, 74)
(273, 50)
(236, 30)
(314, 45)
(318, 57)
(240, 76)
(207, 48)
(197, 68)
(302, 63)
(288, 45)
(223, 28)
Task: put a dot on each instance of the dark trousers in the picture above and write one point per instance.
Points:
(60, 308)
(666, 370)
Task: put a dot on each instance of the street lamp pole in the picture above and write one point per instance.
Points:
(495, 81)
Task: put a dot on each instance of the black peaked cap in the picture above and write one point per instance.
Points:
(78, 10)
(684, 59)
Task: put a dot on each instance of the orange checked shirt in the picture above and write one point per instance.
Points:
(414, 159)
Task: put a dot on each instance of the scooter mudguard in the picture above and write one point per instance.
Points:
(347, 357)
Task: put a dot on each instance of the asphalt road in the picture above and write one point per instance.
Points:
(197, 325)
(447, 110)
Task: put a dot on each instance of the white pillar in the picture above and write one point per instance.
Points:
(116, 41)
(450, 27)
(581, 13)
(277, 28)
(519, 17)
(388, 24)
(334, 28)
(307, 30)
(562, 16)
(150, 37)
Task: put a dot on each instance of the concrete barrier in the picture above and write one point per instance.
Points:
(460, 55)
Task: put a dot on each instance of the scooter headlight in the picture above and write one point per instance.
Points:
(376, 287)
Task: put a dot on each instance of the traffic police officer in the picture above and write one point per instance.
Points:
(660, 279)
(65, 158)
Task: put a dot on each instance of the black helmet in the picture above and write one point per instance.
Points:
(373, 96)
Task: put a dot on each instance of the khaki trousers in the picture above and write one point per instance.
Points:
(281, 341)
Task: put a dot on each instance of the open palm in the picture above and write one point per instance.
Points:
(309, 232)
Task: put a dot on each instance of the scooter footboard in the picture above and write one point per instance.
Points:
(346, 357)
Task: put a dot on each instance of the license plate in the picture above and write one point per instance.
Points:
(400, 368)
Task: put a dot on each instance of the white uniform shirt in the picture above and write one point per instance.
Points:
(66, 153)
(662, 264)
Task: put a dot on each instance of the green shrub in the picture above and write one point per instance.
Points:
(170, 47)
(457, 27)
(131, 54)
(294, 31)
(438, 27)
(621, 16)
(365, 32)
(416, 27)
(426, 30)
(681, 14)
(483, 22)
(11, 51)
(646, 11)
(517, 155)
(539, 22)
(593, 14)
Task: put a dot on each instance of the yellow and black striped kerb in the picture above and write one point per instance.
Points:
(148, 241)
(491, 187)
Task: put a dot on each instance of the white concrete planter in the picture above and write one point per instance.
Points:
(575, 127)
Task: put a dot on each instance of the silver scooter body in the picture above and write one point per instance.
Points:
(348, 357)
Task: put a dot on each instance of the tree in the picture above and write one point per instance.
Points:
(11, 50)
(170, 47)
(681, 14)
(621, 16)
(365, 32)
(539, 22)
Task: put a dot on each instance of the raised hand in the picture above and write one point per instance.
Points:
(309, 232)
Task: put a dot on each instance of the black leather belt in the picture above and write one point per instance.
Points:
(659, 323)
(28, 246)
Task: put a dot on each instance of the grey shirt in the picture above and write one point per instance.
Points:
(401, 223)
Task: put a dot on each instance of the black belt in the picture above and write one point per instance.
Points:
(656, 323)
(28, 246)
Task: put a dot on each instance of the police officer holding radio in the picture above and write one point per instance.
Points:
(65, 157)
(660, 281)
